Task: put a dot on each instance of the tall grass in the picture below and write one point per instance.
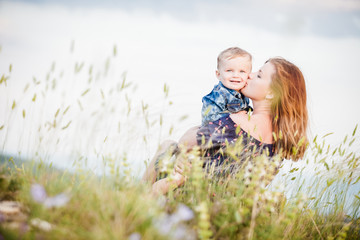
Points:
(89, 117)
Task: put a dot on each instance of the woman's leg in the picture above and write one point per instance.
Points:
(150, 173)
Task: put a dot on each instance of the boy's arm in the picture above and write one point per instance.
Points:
(212, 110)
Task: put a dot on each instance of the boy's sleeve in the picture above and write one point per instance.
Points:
(213, 110)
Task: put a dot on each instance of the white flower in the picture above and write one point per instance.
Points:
(57, 201)
(41, 224)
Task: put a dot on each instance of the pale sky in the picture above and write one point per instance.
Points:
(167, 42)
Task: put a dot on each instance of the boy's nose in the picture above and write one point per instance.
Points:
(236, 74)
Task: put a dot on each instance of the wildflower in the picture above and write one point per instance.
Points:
(182, 232)
(39, 195)
(41, 224)
(171, 224)
(163, 224)
(135, 236)
(182, 213)
(57, 201)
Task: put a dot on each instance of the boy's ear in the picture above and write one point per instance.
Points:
(217, 73)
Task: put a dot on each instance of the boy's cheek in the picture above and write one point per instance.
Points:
(243, 83)
(245, 77)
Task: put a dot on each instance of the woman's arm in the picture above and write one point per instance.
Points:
(150, 173)
(162, 186)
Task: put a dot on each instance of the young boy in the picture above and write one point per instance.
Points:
(233, 68)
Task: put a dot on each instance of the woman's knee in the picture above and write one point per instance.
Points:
(167, 143)
(189, 138)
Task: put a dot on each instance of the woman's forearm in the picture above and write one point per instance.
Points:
(163, 186)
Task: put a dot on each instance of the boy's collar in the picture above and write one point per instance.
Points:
(232, 91)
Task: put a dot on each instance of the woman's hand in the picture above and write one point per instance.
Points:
(178, 178)
(182, 165)
(181, 170)
(162, 186)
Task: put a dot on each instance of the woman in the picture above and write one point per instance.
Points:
(277, 125)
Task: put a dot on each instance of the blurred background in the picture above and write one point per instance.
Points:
(166, 51)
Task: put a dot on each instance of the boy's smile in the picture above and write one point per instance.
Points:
(234, 72)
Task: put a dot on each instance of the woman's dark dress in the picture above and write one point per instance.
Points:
(216, 138)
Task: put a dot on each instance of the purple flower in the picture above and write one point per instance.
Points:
(183, 213)
(182, 232)
(164, 224)
(38, 193)
(172, 224)
(135, 236)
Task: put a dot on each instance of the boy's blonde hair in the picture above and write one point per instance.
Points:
(231, 53)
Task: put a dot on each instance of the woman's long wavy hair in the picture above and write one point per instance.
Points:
(289, 110)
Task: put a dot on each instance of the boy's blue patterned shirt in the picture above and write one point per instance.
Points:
(222, 101)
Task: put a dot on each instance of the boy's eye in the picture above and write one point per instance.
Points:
(258, 76)
(228, 70)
